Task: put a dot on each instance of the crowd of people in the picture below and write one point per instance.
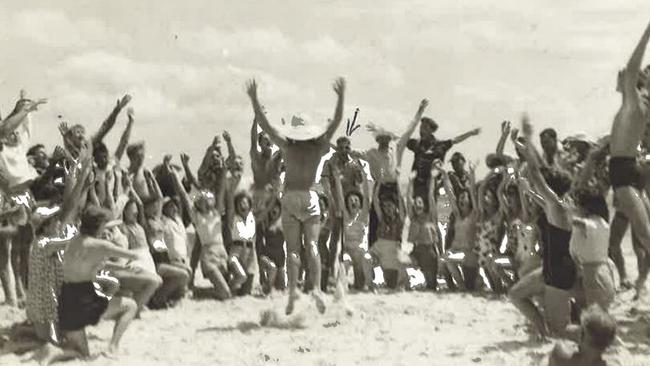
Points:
(85, 239)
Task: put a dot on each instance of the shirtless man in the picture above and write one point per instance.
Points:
(628, 128)
(80, 303)
(265, 166)
(300, 206)
(136, 170)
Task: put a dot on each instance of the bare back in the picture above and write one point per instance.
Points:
(84, 256)
(302, 159)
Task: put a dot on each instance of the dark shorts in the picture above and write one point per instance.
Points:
(80, 305)
(624, 171)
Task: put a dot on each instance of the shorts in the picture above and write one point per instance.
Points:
(598, 284)
(388, 254)
(213, 258)
(244, 251)
(624, 172)
(80, 304)
(300, 207)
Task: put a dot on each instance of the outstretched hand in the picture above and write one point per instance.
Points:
(423, 105)
(121, 103)
(514, 134)
(63, 128)
(505, 127)
(339, 86)
(185, 159)
(167, 163)
(475, 132)
(130, 113)
(251, 89)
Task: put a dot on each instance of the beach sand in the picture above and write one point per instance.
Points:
(407, 328)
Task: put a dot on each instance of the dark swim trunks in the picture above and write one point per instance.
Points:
(80, 305)
(624, 171)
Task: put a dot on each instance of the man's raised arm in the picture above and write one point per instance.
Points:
(466, 135)
(631, 72)
(253, 150)
(126, 135)
(17, 116)
(401, 143)
(274, 135)
(108, 124)
(339, 89)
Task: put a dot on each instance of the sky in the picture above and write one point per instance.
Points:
(185, 64)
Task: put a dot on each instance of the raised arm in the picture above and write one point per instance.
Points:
(401, 143)
(260, 116)
(409, 196)
(109, 249)
(631, 72)
(253, 149)
(433, 206)
(152, 184)
(535, 174)
(17, 116)
(231, 149)
(466, 135)
(400, 204)
(180, 190)
(339, 89)
(108, 124)
(476, 204)
(505, 132)
(76, 182)
(522, 188)
(185, 161)
(126, 135)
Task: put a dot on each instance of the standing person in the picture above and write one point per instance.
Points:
(81, 304)
(300, 206)
(384, 162)
(428, 148)
(627, 130)
(351, 173)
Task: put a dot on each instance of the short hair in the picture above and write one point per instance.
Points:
(430, 122)
(99, 148)
(558, 180)
(93, 218)
(34, 149)
(457, 156)
(600, 326)
(550, 132)
(133, 148)
(342, 139)
(590, 200)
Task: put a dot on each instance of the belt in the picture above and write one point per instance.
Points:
(247, 244)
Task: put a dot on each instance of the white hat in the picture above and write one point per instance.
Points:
(301, 127)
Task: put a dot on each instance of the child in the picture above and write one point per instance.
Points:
(272, 254)
(598, 331)
(423, 233)
(355, 208)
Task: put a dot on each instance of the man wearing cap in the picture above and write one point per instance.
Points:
(300, 204)
(427, 149)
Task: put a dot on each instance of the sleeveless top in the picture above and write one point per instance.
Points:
(558, 267)
(355, 233)
(590, 243)
(138, 244)
(423, 231)
(390, 230)
(487, 235)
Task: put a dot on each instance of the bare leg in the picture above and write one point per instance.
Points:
(456, 275)
(293, 236)
(76, 341)
(194, 259)
(633, 205)
(122, 310)
(6, 272)
(174, 280)
(521, 295)
(219, 282)
(617, 230)
(270, 271)
(311, 230)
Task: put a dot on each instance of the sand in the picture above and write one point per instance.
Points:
(408, 328)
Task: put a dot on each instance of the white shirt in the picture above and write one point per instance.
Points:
(243, 230)
(14, 167)
(176, 239)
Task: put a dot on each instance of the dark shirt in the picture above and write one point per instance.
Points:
(425, 152)
(558, 267)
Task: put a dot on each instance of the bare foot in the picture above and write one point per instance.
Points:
(320, 303)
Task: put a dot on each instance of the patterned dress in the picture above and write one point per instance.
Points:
(45, 279)
(487, 234)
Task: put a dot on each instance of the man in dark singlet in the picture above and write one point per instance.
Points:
(300, 206)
